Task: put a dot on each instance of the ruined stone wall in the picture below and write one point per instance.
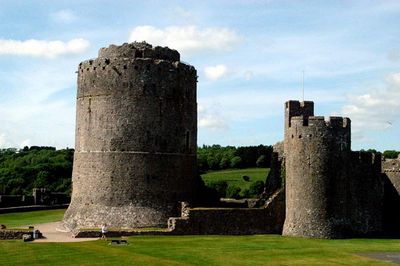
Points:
(391, 178)
(316, 154)
(391, 168)
(136, 137)
(232, 221)
(6, 234)
(365, 190)
(331, 192)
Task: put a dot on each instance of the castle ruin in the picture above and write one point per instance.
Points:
(135, 160)
(136, 130)
(331, 191)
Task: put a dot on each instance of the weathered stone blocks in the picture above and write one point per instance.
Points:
(136, 138)
(331, 192)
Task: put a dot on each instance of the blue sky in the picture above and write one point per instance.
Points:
(250, 56)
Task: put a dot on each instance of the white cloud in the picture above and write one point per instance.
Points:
(42, 48)
(182, 12)
(210, 117)
(393, 56)
(39, 109)
(63, 16)
(26, 142)
(248, 75)
(3, 142)
(186, 39)
(215, 72)
(378, 109)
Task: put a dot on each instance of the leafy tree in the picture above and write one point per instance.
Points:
(220, 186)
(262, 161)
(391, 154)
(256, 188)
(236, 162)
(21, 171)
(233, 192)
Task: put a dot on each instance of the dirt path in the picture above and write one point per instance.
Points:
(385, 256)
(54, 232)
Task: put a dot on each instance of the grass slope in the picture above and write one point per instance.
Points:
(18, 219)
(199, 250)
(234, 176)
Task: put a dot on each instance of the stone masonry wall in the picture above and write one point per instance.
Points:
(391, 167)
(331, 192)
(136, 138)
(6, 234)
(232, 221)
(391, 177)
(315, 154)
(365, 194)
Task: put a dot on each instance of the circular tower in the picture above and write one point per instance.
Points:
(317, 152)
(136, 138)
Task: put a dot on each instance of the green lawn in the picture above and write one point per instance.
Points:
(235, 176)
(199, 250)
(188, 250)
(28, 218)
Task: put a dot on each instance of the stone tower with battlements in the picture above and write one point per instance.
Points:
(136, 138)
(325, 181)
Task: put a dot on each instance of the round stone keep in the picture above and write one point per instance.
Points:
(317, 153)
(136, 138)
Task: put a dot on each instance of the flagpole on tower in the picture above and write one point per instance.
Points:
(303, 86)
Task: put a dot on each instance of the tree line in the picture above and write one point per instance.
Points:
(40, 166)
(22, 170)
(217, 157)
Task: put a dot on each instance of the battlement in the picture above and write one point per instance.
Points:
(366, 158)
(139, 76)
(139, 50)
(294, 105)
(119, 65)
(297, 108)
(333, 122)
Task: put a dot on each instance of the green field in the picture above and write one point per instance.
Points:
(191, 250)
(27, 218)
(235, 176)
(198, 250)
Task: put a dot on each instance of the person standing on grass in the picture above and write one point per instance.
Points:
(104, 231)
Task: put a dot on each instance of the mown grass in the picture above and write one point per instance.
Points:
(199, 250)
(189, 250)
(19, 219)
(235, 176)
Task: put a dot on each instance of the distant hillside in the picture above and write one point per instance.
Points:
(22, 170)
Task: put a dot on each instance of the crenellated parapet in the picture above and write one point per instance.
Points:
(137, 50)
(296, 108)
(335, 132)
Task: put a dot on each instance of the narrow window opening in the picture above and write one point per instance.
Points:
(90, 105)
